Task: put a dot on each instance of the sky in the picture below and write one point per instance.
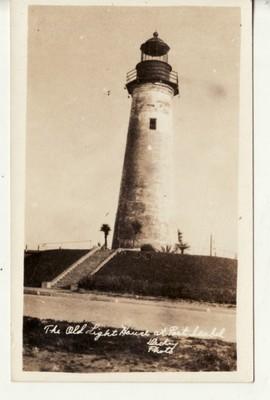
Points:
(76, 133)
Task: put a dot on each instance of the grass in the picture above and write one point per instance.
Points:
(81, 353)
(189, 277)
(44, 266)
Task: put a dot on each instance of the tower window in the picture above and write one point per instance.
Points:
(153, 123)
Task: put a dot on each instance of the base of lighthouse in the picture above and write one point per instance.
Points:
(144, 214)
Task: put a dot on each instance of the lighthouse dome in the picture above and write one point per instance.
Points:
(155, 46)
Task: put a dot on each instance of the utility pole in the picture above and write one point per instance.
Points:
(211, 244)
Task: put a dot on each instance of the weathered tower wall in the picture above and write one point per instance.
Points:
(146, 187)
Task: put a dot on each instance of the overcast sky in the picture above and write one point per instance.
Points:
(76, 133)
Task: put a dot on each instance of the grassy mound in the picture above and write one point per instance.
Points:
(43, 266)
(200, 278)
(82, 353)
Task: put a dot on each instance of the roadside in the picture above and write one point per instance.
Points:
(143, 352)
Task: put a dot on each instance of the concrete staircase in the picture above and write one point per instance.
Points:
(89, 264)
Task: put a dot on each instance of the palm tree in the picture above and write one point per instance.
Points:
(105, 228)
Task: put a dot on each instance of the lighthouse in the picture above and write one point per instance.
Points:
(145, 207)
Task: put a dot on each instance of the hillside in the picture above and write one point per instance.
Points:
(42, 266)
(200, 278)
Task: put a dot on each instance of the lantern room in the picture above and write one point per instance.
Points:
(154, 49)
(154, 66)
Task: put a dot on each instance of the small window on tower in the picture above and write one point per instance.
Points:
(153, 123)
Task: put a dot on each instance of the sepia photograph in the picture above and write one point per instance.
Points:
(134, 258)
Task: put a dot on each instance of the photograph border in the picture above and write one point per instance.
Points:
(244, 371)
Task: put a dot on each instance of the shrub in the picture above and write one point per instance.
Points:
(147, 247)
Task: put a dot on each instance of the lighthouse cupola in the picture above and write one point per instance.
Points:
(154, 66)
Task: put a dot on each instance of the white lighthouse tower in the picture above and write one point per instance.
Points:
(144, 214)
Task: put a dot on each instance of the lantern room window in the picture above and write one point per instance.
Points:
(147, 57)
(153, 123)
